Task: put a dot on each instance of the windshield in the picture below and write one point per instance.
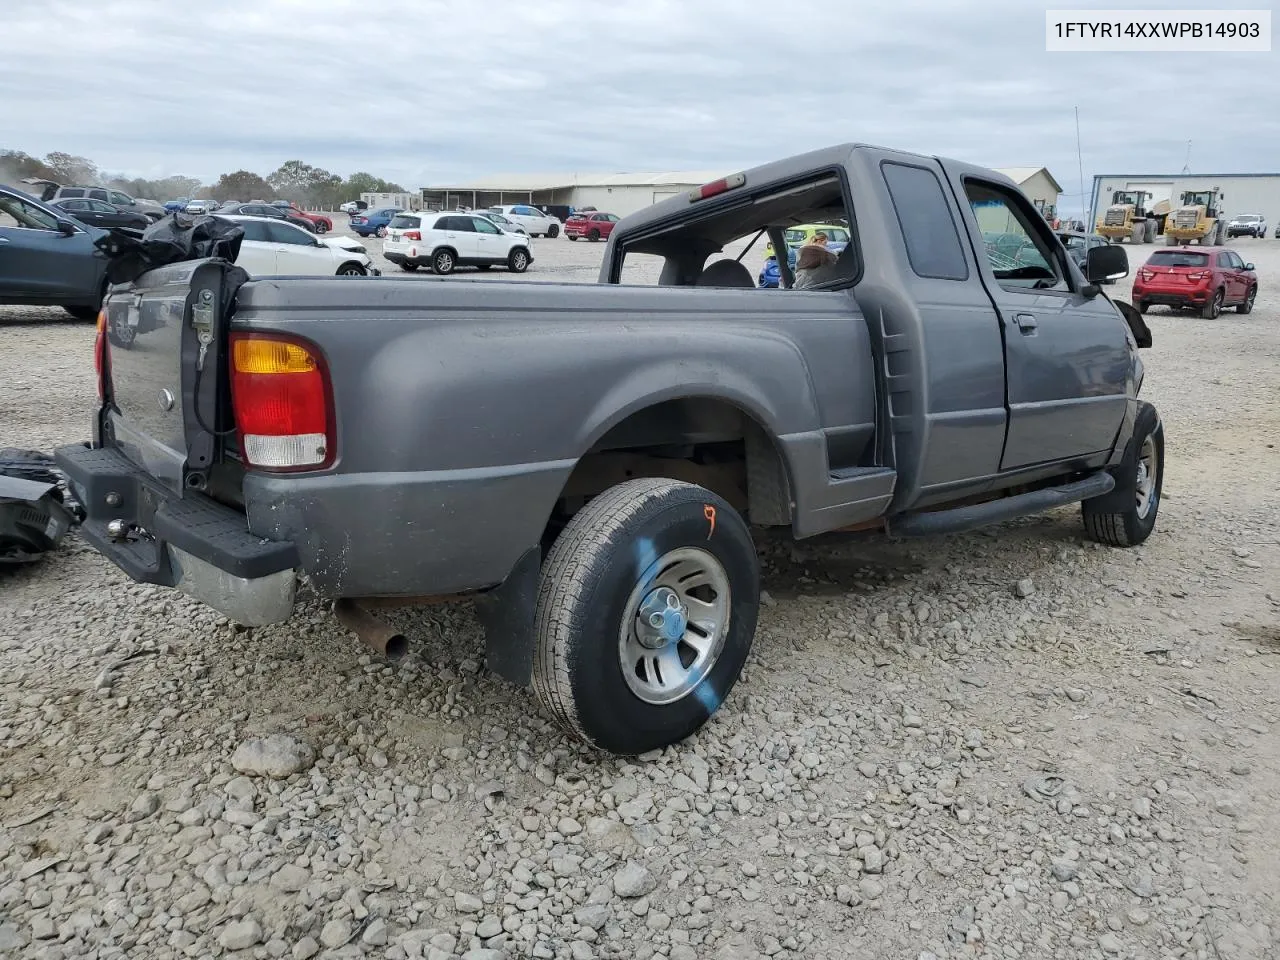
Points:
(1074, 243)
(1248, 218)
(1177, 258)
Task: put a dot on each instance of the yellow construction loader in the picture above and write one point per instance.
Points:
(1199, 218)
(1128, 219)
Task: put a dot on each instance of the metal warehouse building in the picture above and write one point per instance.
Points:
(619, 193)
(624, 193)
(1240, 192)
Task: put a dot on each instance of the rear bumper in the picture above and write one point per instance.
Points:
(1172, 298)
(190, 542)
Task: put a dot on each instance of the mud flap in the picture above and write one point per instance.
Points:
(506, 613)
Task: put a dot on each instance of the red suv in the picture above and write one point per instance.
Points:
(1206, 279)
(593, 226)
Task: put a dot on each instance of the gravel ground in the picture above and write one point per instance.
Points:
(1008, 744)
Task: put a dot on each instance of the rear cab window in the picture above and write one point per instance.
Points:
(403, 221)
(725, 246)
(1178, 258)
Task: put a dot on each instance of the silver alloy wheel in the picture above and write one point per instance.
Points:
(1145, 484)
(674, 625)
(443, 261)
(519, 260)
(351, 270)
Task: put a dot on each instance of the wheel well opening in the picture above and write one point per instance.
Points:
(706, 441)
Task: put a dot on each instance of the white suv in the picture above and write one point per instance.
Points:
(272, 247)
(535, 222)
(444, 241)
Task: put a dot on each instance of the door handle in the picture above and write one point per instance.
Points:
(1026, 323)
(4, 239)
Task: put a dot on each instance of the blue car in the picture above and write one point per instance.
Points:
(770, 277)
(177, 206)
(47, 258)
(374, 221)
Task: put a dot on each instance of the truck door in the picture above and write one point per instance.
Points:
(1067, 358)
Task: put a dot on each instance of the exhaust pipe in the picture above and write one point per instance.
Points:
(382, 637)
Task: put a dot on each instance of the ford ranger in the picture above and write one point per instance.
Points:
(587, 462)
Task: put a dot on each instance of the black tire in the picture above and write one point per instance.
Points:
(553, 232)
(593, 234)
(1142, 306)
(321, 228)
(408, 267)
(595, 573)
(1123, 517)
(1213, 308)
(443, 261)
(1247, 305)
(572, 236)
(352, 269)
(518, 260)
(381, 233)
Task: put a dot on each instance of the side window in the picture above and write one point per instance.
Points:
(98, 194)
(19, 213)
(121, 199)
(75, 205)
(933, 244)
(1224, 260)
(463, 224)
(613, 219)
(1235, 260)
(287, 233)
(255, 230)
(481, 225)
(100, 206)
(1019, 255)
(72, 192)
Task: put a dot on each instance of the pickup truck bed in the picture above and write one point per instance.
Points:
(586, 461)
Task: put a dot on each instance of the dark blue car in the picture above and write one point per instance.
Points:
(374, 221)
(47, 258)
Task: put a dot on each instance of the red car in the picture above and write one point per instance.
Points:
(322, 223)
(1205, 278)
(593, 226)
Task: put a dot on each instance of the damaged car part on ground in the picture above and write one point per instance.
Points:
(604, 531)
(35, 512)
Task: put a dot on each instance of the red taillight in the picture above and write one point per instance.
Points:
(282, 401)
(100, 353)
(1199, 276)
(413, 234)
(1146, 274)
(717, 186)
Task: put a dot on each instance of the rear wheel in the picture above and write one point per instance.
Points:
(1139, 232)
(1126, 516)
(1170, 241)
(1213, 308)
(593, 234)
(572, 236)
(1142, 305)
(518, 260)
(553, 231)
(443, 262)
(645, 615)
(1151, 231)
(1247, 306)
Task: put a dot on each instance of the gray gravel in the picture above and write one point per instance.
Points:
(863, 792)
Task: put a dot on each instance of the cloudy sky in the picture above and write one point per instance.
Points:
(424, 91)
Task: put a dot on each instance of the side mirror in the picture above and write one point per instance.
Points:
(66, 227)
(1105, 263)
(1248, 266)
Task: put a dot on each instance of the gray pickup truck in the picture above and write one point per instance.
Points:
(587, 461)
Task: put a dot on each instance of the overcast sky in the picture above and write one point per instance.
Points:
(423, 91)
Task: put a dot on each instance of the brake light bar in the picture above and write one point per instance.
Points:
(1200, 275)
(413, 234)
(100, 353)
(283, 402)
(716, 187)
